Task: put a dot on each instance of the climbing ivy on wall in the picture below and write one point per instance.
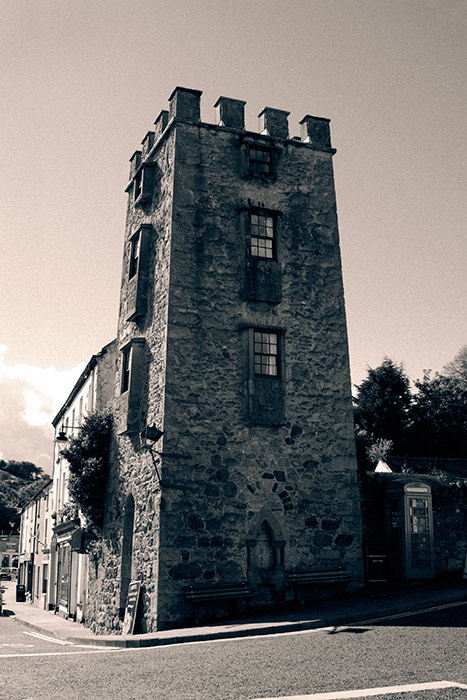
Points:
(87, 455)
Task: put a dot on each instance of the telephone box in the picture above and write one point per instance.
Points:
(409, 530)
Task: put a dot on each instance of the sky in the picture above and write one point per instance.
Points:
(81, 84)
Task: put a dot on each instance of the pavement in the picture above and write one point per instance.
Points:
(363, 606)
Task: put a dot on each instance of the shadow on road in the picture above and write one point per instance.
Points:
(350, 630)
(455, 616)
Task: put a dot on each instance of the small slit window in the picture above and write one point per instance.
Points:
(266, 353)
(126, 360)
(138, 184)
(134, 256)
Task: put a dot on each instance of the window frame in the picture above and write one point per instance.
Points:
(133, 372)
(265, 394)
(143, 183)
(138, 184)
(268, 343)
(135, 253)
(252, 234)
(254, 169)
(125, 369)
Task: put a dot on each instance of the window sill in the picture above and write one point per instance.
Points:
(142, 200)
(261, 177)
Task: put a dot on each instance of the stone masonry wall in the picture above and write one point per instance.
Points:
(133, 470)
(225, 470)
(201, 498)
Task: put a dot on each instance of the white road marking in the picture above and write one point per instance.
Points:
(92, 650)
(224, 640)
(48, 639)
(17, 645)
(370, 692)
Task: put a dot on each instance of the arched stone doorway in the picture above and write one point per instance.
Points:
(265, 547)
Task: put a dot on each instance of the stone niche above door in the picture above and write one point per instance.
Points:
(265, 547)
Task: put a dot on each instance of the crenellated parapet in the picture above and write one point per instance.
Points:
(185, 106)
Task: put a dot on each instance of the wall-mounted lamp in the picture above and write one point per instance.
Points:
(62, 436)
(61, 439)
(150, 434)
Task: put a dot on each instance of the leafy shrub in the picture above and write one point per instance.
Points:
(379, 450)
(87, 456)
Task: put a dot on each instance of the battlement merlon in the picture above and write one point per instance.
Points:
(160, 123)
(185, 106)
(230, 113)
(315, 131)
(184, 103)
(274, 122)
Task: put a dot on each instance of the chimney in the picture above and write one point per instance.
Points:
(274, 122)
(230, 112)
(185, 104)
(315, 130)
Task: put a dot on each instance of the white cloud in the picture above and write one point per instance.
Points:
(44, 390)
(30, 398)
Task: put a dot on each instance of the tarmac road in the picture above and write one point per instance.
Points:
(409, 650)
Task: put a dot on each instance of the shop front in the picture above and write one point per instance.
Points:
(26, 571)
(68, 569)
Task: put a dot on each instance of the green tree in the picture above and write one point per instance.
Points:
(457, 368)
(382, 405)
(439, 417)
(379, 450)
(19, 482)
(24, 470)
(87, 456)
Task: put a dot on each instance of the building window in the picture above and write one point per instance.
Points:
(265, 375)
(138, 184)
(266, 353)
(143, 184)
(126, 363)
(45, 577)
(262, 236)
(132, 377)
(63, 576)
(138, 252)
(260, 161)
(134, 256)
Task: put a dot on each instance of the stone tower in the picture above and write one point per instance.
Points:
(232, 343)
